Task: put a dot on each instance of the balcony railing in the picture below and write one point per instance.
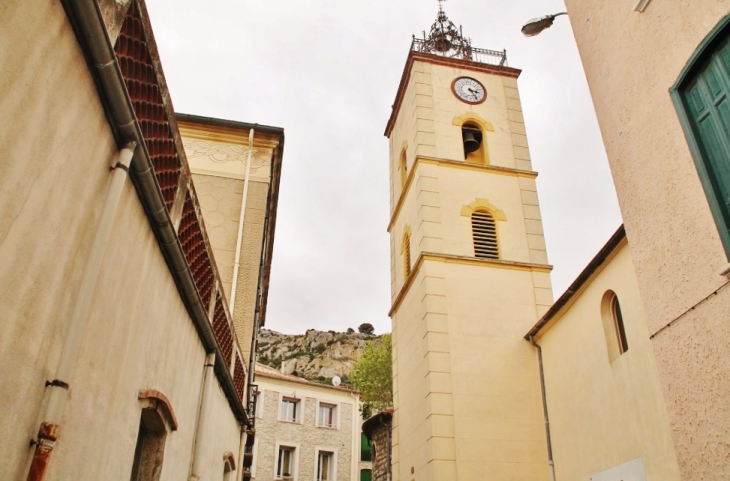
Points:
(478, 55)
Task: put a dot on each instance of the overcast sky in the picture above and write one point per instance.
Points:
(327, 72)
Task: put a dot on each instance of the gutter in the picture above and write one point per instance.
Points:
(577, 284)
(88, 23)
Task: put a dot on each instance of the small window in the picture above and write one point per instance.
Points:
(227, 470)
(285, 463)
(290, 410)
(484, 232)
(150, 450)
(325, 466)
(403, 168)
(613, 326)
(618, 324)
(406, 255)
(327, 415)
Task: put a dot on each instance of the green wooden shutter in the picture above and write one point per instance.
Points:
(707, 101)
(366, 475)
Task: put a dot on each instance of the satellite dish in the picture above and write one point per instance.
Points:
(336, 381)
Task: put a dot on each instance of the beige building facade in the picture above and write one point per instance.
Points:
(605, 409)
(658, 81)
(305, 430)
(121, 360)
(469, 270)
(236, 168)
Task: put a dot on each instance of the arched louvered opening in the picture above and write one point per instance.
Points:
(484, 231)
(406, 255)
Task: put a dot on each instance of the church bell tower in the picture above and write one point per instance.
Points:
(469, 269)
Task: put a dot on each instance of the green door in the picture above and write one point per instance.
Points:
(366, 475)
(707, 100)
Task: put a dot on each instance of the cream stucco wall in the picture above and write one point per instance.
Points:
(54, 172)
(631, 60)
(605, 413)
(306, 436)
(466, 390)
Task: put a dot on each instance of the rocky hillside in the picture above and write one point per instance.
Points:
(314, 355)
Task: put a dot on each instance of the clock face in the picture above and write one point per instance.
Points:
(469, 90)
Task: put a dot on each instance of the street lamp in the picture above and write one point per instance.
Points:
(537, 25)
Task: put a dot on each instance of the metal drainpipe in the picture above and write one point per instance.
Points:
(241, 453)
(202, 417)
(239, 239)
(59, 387)
(551, 464)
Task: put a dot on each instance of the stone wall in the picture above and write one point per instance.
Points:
(306, 437)
(382, 452)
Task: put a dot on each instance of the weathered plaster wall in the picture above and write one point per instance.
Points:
(603, 413)
(631, 60)
(54, 171)
(306, 436)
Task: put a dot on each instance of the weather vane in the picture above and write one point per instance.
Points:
(444, 38)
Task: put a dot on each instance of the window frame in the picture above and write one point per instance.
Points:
(299, 410)
(703, 52)
(294, 460)
(336, 414)
(333, 468)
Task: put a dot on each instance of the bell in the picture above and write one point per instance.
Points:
(471, 143)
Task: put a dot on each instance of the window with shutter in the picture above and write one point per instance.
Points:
(484, 232)
(702, 96)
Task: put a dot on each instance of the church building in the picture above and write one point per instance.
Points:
(491, 379)
(469, 270)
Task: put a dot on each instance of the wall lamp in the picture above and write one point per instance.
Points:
(537, 25)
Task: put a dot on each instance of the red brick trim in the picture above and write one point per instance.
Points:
(163, 405)
(228, 456)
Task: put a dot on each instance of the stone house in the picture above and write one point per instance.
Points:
(122, 358)
(305, 430)
(378, 430)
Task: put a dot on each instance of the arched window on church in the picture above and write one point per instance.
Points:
(613, 326)
(403, 168)
(156, 421)
(473, 141)
(484, 232)
(406, 255)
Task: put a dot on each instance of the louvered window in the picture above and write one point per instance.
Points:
(407, 255)
(485, 236)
